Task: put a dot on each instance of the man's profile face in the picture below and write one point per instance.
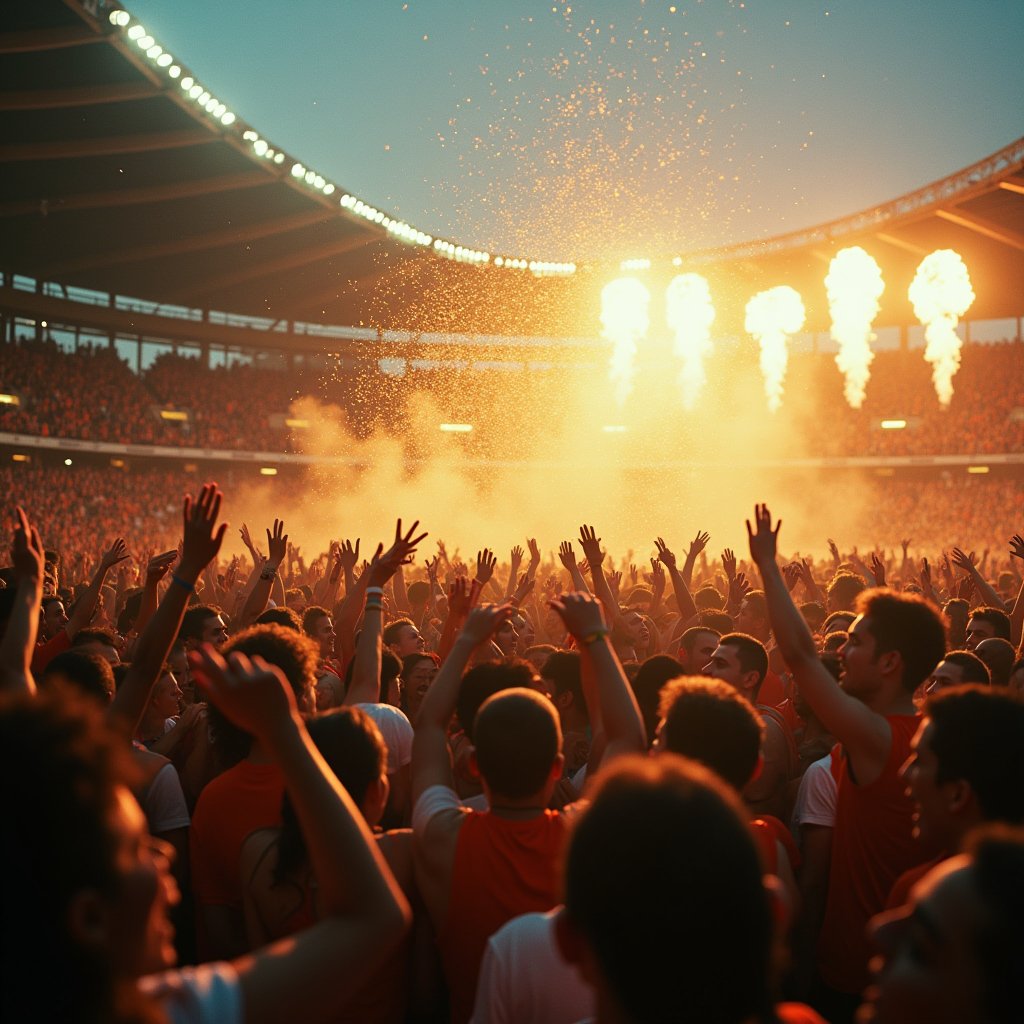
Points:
(214, 631)
(946, 674)
(748, 621)
(703, 651)
(978, 630)
(323, 634)
(409, 642)
(725, 665)
(55, 618)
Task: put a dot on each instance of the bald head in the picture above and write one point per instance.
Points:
(999, 655)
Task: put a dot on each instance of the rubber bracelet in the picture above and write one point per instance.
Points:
(375, 590)
(598, 634)
(175, 578)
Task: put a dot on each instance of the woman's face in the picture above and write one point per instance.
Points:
(140, 938)
(167, 696)
(419, 680)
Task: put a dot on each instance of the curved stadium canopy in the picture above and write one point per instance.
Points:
(121, 174)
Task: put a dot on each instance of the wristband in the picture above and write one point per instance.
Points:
(175, 578)
(373, 606)
(598, 634)
(378, 591)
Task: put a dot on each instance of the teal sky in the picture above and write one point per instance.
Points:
(567, 130)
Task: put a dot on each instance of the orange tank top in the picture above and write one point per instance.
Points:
(873, 844)
(503, 868)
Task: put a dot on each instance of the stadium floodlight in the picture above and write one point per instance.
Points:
(187, 82)
(268, 471)
(136, 32)
(279, 158)
(120, 18)
(298, 170)
(259, 147)
(145, 42)
(154, 51)
(204, 98)
(174, 71)
(164, 60)
(227, 118)
(893, 424)
(67, 462)
(328, 189)
(977, 469)
(297, 424)
(10, 400)
(456, 428)
(21, 457)
(195, 91)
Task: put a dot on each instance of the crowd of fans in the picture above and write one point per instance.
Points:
(537, 787)
(245, 407)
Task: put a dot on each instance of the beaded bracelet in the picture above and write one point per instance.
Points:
(175, 578)
(598, 634)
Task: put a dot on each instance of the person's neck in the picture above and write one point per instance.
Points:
(258, 754)
(891, 699)
(520, 809)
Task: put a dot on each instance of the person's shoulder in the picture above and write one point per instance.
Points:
(387, 713)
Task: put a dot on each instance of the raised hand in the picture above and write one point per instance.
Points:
(738, 589)
(431, 567)
(251, 693)
(664, 555)
(1017, 546)
(657, 575)
(697, 545)
(531, 543)
(581, 614)
(458, 597)
(277, 544)
(905, 544)
(484, 621)
(526, 584)
(729, 563)
(878, 569)
(348, 555)
(591, 544)
(947, 571)
(964, 561)
(27, 553)
(567, 555)
(117, 552)
(158, 567)
(516, 560)
(485, 563)
(402, 551)
(614, 583)
(791, 573)
(202, 538)
(247, 540)
(762, 538)
(834, 551)
(634, 574)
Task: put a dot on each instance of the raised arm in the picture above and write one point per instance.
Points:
(202, 541)
(687, 609)
(567, 556)
(277, 545)
(431, 764)
(156, 569)
(1017, 612)
(515, 561)
(620, 717)
(362, 912)
(591, 545)
(19, 638)
(365, 685)
(697, 546)
(864, 733)
(85, 606)
(982, 587)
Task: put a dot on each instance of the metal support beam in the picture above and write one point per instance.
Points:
(982, 226)
(110, 145)
(90, 96)
(900, 243)
(35, 40)
(1014, 183)
(51, 205)
(193, 243)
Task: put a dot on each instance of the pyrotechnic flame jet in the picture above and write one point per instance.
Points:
(854, 285)
(624, 322)
(941, 293)
(690, 314)
(772, 316)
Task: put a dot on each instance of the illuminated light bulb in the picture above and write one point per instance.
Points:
(690, 313)
(227, 118)
(941, 293)
(120, 18)
(204, 98)
(298, 170)
(164, 60)
(145, 42)
(195, 91)
(174, 71)
(772, 316)
(136, 32)
(328, 189)
(318, 181)
(854, 285)
(624, 321)
(187, 82)
(279, 158)
(154, 51)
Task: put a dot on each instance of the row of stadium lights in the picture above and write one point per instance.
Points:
(261, 147)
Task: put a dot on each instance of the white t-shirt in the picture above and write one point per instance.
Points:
(524, 978)
(816, 798)
(207, 994)
(396, 730)
(164, 805)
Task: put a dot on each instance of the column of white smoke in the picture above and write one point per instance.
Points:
(624, 322)
(854, 285)
(772, 316)
(941, 293)
(690, 314)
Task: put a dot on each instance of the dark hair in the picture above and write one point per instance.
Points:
(757, 602)
(813, 613)
(972, 668)
(418, 592)
(517, 738)
(998, 866)
(393, 630)
(194, 620)
(995, 617)
(354, 750)
(833, 641)
(60, 769)
(293, 653)
(720, 622)
(751, 654)
(998, 655)
(688, 641)
(562, 668)
(410, 660)
(711, 722)
(390, 667)
(311, 616)
(909, 625)
(485, 680)
(280, 616)
(977, 734)
(844, 588)
(87, 673)
(94, 635)
(708, 597)
(663, 878)
(130, 612)
(646, 684)
(829, 625)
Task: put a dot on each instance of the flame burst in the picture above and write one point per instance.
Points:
(941, 293)
(624, 322)
(690, 314)
(772, 316)
(854, 285)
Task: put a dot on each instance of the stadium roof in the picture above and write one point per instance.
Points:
(122, 174)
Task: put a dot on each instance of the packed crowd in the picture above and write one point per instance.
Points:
(244, 407)
(388, 784)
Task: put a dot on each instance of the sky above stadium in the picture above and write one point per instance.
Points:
(591, 128)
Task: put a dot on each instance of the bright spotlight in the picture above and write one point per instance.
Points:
(456, 428)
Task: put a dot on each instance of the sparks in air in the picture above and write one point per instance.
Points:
(941, 293)
(624, 321)
(854, 285)
(772, 316)
(690, 313)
